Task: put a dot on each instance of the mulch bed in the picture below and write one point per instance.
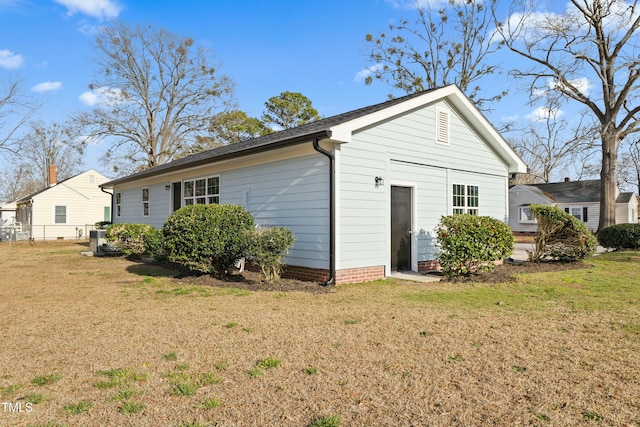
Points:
(251, 280)
(508, 272)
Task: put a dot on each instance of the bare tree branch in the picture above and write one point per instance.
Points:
(160, 94)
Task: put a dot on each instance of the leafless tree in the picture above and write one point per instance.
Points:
(629, 177)
(589, 55)
(15, 110)
(550, 142)
(50, 144)
(159, 93)
(445, 44)
(43, 145)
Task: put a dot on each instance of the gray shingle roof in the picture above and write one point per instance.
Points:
(318, 129)
(576, 192)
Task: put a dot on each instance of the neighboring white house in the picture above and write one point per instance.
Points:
(7, 211)
(579, 198)
(362, 191)
(67, 209)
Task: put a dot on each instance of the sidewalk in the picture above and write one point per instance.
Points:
(520, 251)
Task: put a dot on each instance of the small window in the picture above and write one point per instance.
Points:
(580, 212)
(107, 213)
(60, 215)
(118, 204)
(524, 215)
(442, 126)
(145, 202)
(466, 199)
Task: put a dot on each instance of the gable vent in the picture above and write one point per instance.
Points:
(442, 127)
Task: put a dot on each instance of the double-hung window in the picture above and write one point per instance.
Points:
(60, 215)
(580, 212)
(524, 215)
(466, 199)
(202, 191)
(118, 204)
(145, 201)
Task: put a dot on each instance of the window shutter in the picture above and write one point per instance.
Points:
(442, 126)
(584, 214)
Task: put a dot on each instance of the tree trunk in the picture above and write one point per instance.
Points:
(608, 183)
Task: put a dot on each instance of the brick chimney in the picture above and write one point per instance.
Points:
(52, 175)
(567, 179)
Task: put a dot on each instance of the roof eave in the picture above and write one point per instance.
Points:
(240, 153)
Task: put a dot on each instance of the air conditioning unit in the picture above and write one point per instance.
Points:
(98, 243)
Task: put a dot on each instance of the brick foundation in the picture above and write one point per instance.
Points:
(305, 273)
(363, 274)
(349, 275)
(424, 266)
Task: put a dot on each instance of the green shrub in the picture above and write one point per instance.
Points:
(560, 236)
(268, 246)
(620, 236)
(101, 225)
(154, 243)
(470, 243)
(208, 238)
(128, 238)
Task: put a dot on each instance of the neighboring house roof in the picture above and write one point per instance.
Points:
(573, 192)
(625, 197)
(339, 128)
(30, 196)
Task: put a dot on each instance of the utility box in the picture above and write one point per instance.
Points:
(97, 241)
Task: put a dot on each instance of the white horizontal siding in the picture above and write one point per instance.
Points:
(84, 202)
(292, 193)
(404, 151)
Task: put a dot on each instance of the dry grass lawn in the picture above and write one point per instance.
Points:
(110, 342)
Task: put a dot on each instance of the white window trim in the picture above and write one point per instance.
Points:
(117, 205)
(147, 202)
(466, 208)
(443, 136)
(206, 195)
(525, 221)
(66, 214)
(581, 208)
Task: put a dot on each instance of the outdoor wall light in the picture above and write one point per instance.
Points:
(379, 181)
(167, 187)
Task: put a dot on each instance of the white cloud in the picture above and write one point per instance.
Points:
(10, 60)
(102, 9)
(47, 87)
(541, 114)
(363, 74)
(101, 96)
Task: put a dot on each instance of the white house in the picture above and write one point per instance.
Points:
(579, 198)
(363, 191)
(7, 211)
(67, 209)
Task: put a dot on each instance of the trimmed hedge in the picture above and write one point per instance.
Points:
(208, 238)
(268, 247)
(154, 244)
(471, 244)
(128, 238)
(560, 236)
(620, 236)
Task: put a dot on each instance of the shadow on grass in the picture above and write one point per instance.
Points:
(168, 269)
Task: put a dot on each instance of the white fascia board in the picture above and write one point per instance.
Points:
(343, 132)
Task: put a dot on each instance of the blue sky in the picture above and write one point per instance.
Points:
(266, 47)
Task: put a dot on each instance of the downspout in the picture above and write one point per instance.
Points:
(332, 208)
(111, 194)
